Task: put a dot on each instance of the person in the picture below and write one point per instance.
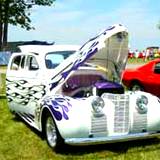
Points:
(151, 54)
(144, 54)
(136, 54)
(147, 54)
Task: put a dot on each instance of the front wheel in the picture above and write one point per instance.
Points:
(53, 137)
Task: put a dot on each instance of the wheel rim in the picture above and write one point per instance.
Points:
(136, 88)
(51, 132)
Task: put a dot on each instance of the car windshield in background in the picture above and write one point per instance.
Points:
(53, 59)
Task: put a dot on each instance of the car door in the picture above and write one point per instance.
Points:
(153, 80)
(33, 86)
(14, 82)
(25, 86)
(156, 78)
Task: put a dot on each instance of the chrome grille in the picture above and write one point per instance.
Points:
(139, 122)
(99, 124)
(121, 114)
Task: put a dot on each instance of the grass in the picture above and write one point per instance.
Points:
(18, 141)
(3, 67)
(2, 85)
(135, 61)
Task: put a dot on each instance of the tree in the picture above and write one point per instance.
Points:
(17, 12)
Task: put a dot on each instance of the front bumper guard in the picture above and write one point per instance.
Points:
(109, 139)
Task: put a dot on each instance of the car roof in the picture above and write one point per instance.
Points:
(43, 49)
(148, 65)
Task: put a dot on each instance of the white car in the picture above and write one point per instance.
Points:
(73, 94)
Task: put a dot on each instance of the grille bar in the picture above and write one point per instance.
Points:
(121, 114)
(99, 124)
(137, 126)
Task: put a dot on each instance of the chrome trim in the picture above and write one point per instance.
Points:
(141, 103)
(122, 113)
(139, 122)
(121, 116)
(97, 105)
(99, 125)
(109, 139)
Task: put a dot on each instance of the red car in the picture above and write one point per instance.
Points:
(145, 77)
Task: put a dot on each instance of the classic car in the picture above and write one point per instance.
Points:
(145, 77)
(78, 99)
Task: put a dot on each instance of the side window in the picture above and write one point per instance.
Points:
(22, 62)
(18, 63)
(157, 68)
(32, 63)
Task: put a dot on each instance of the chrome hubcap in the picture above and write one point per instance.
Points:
(136, 88)
(51, 132)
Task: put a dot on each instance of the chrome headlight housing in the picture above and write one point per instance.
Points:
(141, 103)
(97, 105)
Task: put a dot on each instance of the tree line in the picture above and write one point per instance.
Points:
(17, 13)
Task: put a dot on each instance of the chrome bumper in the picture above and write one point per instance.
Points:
(109, 139)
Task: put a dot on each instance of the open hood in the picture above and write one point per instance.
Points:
(109, 49)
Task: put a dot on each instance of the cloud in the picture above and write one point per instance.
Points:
(75, 21)
(140, 20)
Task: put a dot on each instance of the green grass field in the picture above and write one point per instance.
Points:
(139, 61)
(18, 141)
(2, 85)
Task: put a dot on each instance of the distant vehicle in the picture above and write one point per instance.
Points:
(152, 48)
(76, 98)
(145, 78)
(154, 52)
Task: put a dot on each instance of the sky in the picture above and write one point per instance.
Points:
(76, 21)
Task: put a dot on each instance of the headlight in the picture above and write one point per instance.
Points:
(97, 104)
(141, 103)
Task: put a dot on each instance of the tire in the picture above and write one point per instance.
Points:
(136, 87)
(52, 135)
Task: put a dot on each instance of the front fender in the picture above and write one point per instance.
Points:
(72, 116)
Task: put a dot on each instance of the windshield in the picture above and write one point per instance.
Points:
(53, 59)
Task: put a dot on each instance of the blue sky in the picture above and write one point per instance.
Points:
(75, 21)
